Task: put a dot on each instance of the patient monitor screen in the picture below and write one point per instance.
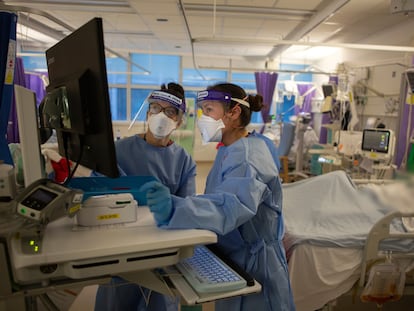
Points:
(376, 140)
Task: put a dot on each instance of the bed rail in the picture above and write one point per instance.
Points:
(381, 231)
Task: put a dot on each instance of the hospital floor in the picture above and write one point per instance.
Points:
(347, 303)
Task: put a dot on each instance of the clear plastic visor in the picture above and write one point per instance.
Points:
(226, 98)
(157, 96)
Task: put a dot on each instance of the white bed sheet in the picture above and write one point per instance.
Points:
(320, 274)
(324, 263)
(329, 210)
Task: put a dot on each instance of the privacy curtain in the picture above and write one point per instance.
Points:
(7, 63)
(31, 81)
(406, 115)
(265, 86)
(326, 117)
(12, 127)
(307, 101)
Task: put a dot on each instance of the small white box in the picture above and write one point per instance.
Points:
(7, 181)
(108, 209)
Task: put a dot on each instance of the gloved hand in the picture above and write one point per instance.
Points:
(159, 201)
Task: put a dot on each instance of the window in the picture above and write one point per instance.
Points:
(117, 70)
(118, 101)
(203, 78)
(129, 84)
(163, 69)
(245, 80)
(35, 63)
(138, 97)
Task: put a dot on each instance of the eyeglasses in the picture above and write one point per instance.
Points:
(170, 112)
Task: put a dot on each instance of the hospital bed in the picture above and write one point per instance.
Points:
(335, 229)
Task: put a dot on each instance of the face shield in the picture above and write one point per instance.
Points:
(157, 96)
(204, 96)
(223, 97)
(173, 100)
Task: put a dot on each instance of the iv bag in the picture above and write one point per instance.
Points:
(385, 283)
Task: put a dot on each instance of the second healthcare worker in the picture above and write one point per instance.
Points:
(242, 201)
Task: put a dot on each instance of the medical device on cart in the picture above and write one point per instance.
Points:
(44, 201)
(40, 203)
(108, 209)
(377, 149)
(378, 144)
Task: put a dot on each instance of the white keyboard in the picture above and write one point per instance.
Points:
(207, 273)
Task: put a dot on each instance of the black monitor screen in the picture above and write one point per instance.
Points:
(77, 104)
(328, 90)
(376, 140)
(410, 79)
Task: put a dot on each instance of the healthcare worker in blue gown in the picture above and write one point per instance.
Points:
(242, 201)
(152, 153)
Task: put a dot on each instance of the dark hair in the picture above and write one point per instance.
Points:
(173, 88)
(235, 91)
(176, 90)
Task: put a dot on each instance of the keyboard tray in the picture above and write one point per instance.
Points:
(207, 273)
(194, 293)
(190, 297)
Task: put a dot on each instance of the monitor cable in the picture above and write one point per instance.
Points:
(71, 172)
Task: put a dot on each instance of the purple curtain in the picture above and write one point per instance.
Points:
(265, 85)
(35, 83)
(402, 137)
(12, 127)
(307, 101)
(326, 117)
(31, 81)
(333, 80)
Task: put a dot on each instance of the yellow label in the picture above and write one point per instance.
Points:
(410, 99)
(10, 63)
(108, 216)
(74, 209)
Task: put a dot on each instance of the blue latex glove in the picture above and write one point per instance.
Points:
(158, 200)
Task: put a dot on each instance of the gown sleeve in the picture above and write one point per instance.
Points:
(236, 191)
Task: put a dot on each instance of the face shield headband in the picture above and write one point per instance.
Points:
(167, 97)
(220, 96)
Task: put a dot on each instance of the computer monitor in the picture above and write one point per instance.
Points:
(77, 102)
(378, 144)
(409, 74)
(329, 90)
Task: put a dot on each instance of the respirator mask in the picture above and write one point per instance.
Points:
(210, 129)
(160, 125)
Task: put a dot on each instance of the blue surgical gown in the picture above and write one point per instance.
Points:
(243, 205)
(172, 165)
(272, 148)
(175, 168)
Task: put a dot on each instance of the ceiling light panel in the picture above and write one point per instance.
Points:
(71, 5)
(28, 34)
(154, 7)
(245, 10)
(303, 5)
(23, 17)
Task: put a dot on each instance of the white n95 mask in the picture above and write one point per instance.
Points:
(160, 125)
(210, 129)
